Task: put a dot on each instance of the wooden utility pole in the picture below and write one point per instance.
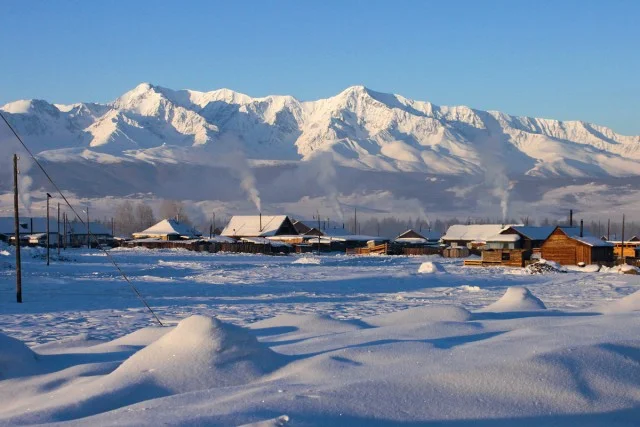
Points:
(113, 228)
(622, 241)
(64, 230)
(17, 230)
(88, 231)
(47, 228)
(58, 231)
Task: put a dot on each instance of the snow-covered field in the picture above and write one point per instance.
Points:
(329, 340)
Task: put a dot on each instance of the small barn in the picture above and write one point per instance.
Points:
(532, 237)
(168, 229)
(567, 247)
(259, 226)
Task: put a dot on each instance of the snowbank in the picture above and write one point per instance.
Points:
(591, 268)
(426, 314)
(307, 260)
(201, 352)
(623, 305)
(517, 298)
(430, 268)
(16, 359)
(621, 269)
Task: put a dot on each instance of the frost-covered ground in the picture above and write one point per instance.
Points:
(329, 340)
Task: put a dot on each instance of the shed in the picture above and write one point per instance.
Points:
(259, 226)
(566, 247)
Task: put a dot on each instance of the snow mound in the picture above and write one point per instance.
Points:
(426, 314)
(623, 305)
(430, 268)
(470, 288)
(200, 353)
(16, 359)
(590, 268)
(517, 298)
(543, 267)
(303, 324)
(307, 260)
(274, 422)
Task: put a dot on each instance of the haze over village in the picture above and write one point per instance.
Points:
(345, 214)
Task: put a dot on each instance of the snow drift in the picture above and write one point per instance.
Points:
(201, 352)
(16, 359)
(430, 268)
(517, 298)
(426, 314)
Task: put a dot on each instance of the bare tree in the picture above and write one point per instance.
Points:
(144, 216)
(174, 209)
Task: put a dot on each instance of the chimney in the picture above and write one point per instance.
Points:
(570, 217)
(31, 227)
(260, 221)
(581, 228)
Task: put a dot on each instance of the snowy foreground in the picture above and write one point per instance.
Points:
(329, 340)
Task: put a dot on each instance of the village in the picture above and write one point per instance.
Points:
(509, 245)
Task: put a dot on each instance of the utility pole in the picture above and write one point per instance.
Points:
(88, 241)
(58, 231)
(355, 220)
(48, 243)
(16, 216)
(319, 232)
(64, 231)
(113, 228)
(622, 241)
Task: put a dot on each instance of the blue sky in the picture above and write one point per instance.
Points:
(558, 59)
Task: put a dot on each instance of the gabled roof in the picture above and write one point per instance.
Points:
(301, 227)
(254, 226)
(540, 232)
(586, 238)
(425, 235)
(169, 227)
(473, 233)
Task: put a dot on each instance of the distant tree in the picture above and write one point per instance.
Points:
(144, 216)
(174, 209)
(125, 219)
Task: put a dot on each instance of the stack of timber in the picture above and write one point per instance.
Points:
(377, 249)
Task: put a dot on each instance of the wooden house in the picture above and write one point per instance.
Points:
(532, 237)
(32, 230)
(168, 229)
(566, 247)
(259, 226)
(301, 227)
(470, 236)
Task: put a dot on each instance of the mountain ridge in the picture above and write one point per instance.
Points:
(357, 127)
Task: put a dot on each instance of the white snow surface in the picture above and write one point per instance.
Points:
(351, 341)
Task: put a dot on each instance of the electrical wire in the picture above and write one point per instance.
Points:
(113, 261)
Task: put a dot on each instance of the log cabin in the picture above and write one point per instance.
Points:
(567, 248)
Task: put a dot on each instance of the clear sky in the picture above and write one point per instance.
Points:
(559, 59)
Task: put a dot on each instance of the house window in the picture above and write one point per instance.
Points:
(506, 256)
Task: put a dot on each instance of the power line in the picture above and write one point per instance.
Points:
(113, 261)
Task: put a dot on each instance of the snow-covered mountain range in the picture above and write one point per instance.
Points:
(359, 127)
(152, 137)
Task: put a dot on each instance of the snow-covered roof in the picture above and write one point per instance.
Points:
(413, 234)
(253, 225)
(506, 238)
(220, 239)
(473, 233)
(345, 238)
(39, 225)
(590, 240)
(533, 232)
(168, 227)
